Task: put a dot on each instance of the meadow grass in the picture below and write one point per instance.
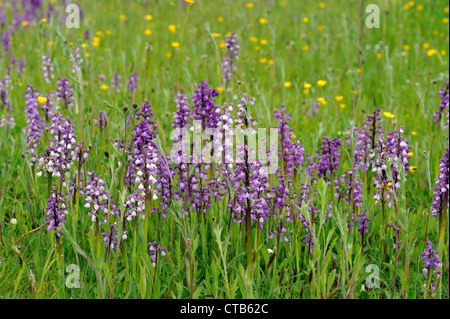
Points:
(390, 68)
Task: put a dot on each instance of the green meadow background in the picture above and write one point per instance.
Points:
(286, 48)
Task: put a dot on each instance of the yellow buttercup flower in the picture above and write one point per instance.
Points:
(426, 45)
(220, 89)
(222, 45)
(420, 7)
(307, 85)
(220, 19)
(271, 62)
(287, 84)
(443, 52)
(412, 169)
(263, 20)
(254, 39)
(175, 44)
(305, 20)
(321, 83)
(44, 20)
(406, 47)
(215, 35)
(320, 27)
(148, 32)
(257, 47)
(432, 52)
(305, 47)
(264, 42)
(168, 55)
(293, 136)
(342, 106)
(189, 1)
(122, 17)
(322, 5)
(104, 87)
(249, 5)
(388, 115)
(149, 17)
(410, 154)
(445, 20)
(172, 28)
(263, 60)
(322, 101)
(108, 32)
(379, 55)
(414, 133)
(25, 23)
(339, 98)
(42, 99)
(358, 70)
(355, 92)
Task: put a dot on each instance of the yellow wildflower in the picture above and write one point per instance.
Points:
(322, 101)
(432, 52)
(42, 99)
(172, 28)
(388, 115)
(321, 83)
